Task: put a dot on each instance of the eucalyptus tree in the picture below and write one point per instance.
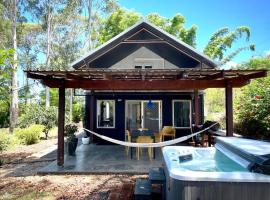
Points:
(9, 14)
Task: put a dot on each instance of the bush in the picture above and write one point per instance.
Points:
(35, 114)
(4, 114)
(252, 128)
(5, 141)
(29, 135)
(77, 114)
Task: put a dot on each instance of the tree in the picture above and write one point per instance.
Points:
(175, 26)
(121, 19)
(5, 71)
(222, 40)
(14, 104)
(116, 23)
(253, 103)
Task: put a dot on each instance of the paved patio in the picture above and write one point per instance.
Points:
(92, 158)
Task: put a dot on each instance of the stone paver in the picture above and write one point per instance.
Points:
(104, 159)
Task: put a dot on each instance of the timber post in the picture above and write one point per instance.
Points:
(229, 109)
(196, 106)
(61, 127)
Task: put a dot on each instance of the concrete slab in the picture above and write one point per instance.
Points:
(92, 158)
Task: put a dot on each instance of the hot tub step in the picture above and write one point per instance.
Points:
(142, 189)
(157, 175)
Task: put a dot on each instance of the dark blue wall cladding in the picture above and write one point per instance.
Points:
(119, 131)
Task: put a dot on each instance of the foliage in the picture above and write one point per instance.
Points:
(253, 103)
(223, 39)
(34, 114)
(121, 19)
(175, 26)
(29, 135)
(5, 141)
(4, 114)
(116, 23)
(215, 105)
(70, 130)
(78, 113)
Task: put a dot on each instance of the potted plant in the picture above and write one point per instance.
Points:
(85, 139)
(72, 140)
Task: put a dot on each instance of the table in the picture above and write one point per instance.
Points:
(137, 133)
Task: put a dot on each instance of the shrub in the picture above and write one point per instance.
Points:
(29, 135)
(5, 141)
(35, 114)
(4, 114)
(77, 114)
(252, 128)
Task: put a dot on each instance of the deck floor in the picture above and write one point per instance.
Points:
(92, 158)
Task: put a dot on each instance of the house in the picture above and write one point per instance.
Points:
(143, 78)
(146, 47)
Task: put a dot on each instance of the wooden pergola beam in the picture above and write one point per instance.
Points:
(142, 84)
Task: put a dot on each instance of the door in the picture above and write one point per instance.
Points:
(143, 114)
(151, 115)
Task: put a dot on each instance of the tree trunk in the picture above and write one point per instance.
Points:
(47, 91)
(14, 108)
(89, 32)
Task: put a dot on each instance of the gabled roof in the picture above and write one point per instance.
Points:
(153, 34)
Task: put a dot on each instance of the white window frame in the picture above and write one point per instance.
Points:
(190, 112)
(111, 127)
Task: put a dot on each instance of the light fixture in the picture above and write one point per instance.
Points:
(150, 104)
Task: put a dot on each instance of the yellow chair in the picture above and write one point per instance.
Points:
(168, 131)
(144, 139)
(128, 139)
(158, 137)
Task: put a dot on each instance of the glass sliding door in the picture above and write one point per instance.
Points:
(182, 113)
(142, 114)
(133, 115)
(151, 116)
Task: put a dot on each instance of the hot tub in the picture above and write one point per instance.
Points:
(221, 172)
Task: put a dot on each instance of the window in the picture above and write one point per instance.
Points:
(105, 113)
(138, 67)
(181, 113)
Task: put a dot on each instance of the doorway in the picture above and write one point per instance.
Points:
(143, 114)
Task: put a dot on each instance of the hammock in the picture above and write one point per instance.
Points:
(145, 145)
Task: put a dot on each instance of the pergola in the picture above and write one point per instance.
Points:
(145, 79)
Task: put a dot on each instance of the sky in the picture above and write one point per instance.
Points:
(211, 15)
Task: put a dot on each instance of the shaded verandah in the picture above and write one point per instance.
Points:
(150, 80)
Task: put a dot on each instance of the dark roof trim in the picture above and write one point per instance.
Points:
(170, 39)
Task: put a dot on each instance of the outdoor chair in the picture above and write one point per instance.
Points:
(144, 139)
(158, 137)
(127, 139)
(168, 131)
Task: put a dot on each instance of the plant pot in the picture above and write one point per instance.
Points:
(72, 145)
(85, 140)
